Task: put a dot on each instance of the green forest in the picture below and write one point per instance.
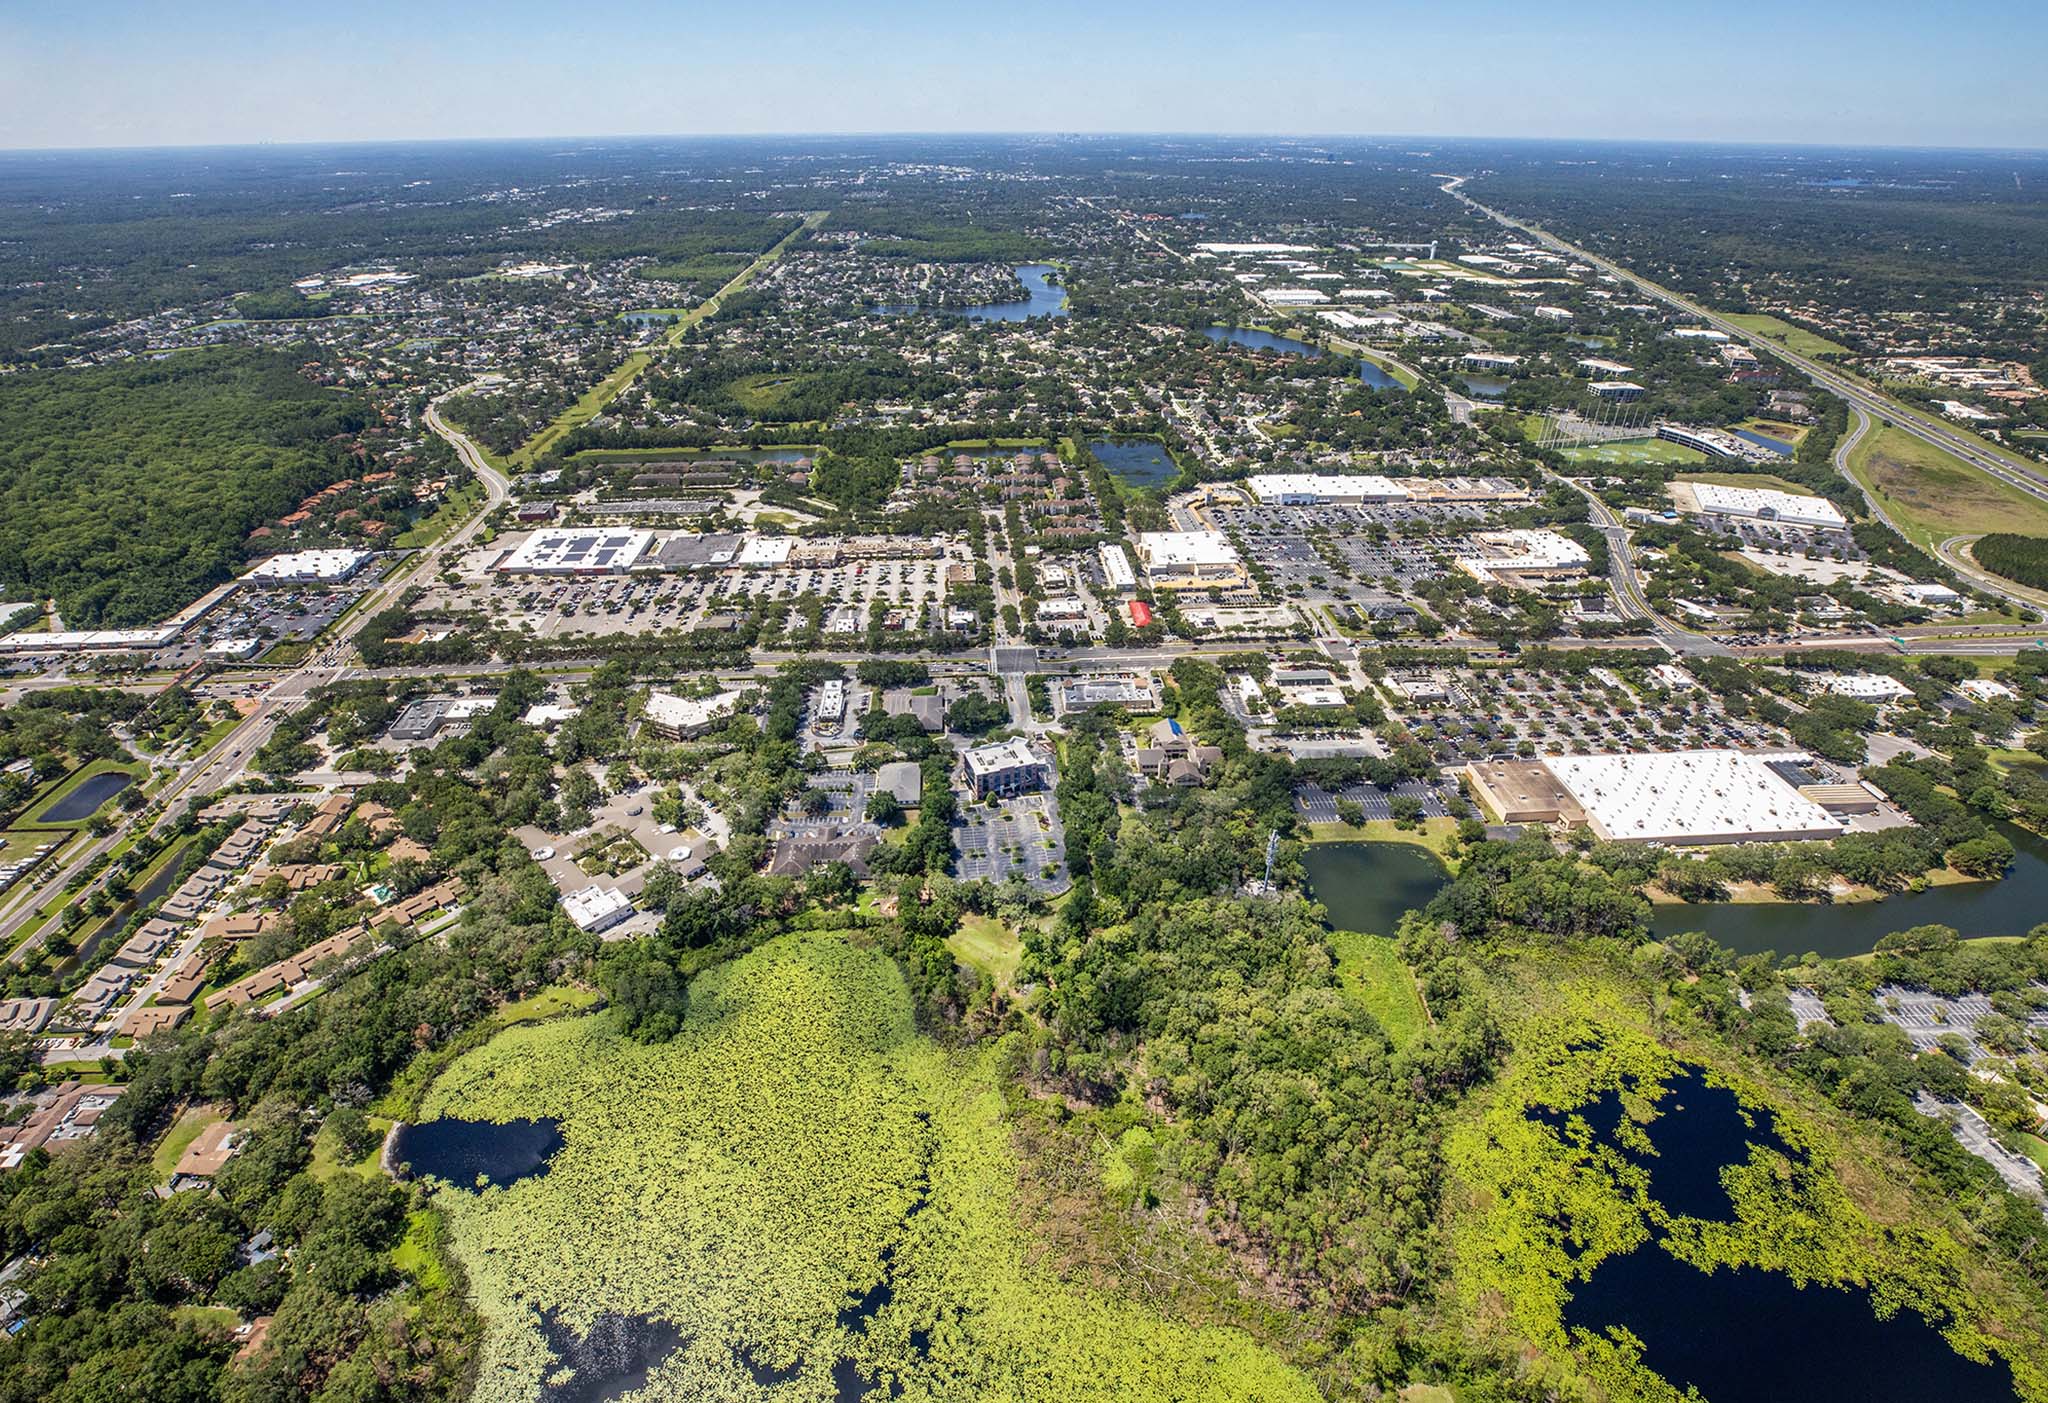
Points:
(2021, 558)
(126, 490)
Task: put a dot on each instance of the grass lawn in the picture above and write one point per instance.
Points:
(180, 1137)
(327, 1152)
(1778, 429)
(218, 1318)
(1934, 495)
(2035, 1149)
(17, 845)
(556, 998)
(1370, 969)
(593, 400)
(2016, 759)
(453, 512)
(36, 814)
(1436, 834)
(1633, 450)
(987, 944)
(710, 265)
(1795, 339)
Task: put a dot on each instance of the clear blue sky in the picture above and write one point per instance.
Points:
(152, 72)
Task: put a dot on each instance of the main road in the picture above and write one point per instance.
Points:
(329, 663)
(1861, 398)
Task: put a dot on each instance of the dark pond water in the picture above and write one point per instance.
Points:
(1740, 1335)
(85, 799)
(1257, 340)
(461, 1151)
(1776, 445)
(1373, 375)
(611, 1361)
(1042, 298)
(1369, 886)
(1137, 463)
(1370, 372)
(2009, 907)
(154, 889)
(1700, 1129)
(1484, 386)
(1745, 1335)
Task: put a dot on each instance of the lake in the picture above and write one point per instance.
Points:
(614, 1358)
(1375, 376)
(1369, 886)
(2012, 906)
(84, 800)
(1483, 386)
(1776, 445)
(1742, 1334)
(462, 1151)
(1137, 462)
(1042, 298)
(1254, 339)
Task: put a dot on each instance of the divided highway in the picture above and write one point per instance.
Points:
(1862, 399)
(330, 663)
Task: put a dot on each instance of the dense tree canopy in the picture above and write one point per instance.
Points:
(126, 490)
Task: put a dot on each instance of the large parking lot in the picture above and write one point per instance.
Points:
(1318, 805)
(552, 606)
(1492, 713)
(1019, 836)
(1304, 549)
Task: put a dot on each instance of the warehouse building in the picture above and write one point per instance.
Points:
(1691, 797)
(1324, 489)
(1719, 502)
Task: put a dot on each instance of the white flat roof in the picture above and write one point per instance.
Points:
(765, 551)
(1864, 686)
(668, 710)
(1766, 504)
(1116, 567)
(1524, 548)
(1171, 548)
(1322, 487)
(1010, 754)
(1696, 796)
(1256, 248)
(585, 550)
(596, 907)
(310, 565)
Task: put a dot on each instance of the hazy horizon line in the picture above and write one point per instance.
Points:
(1075, 134)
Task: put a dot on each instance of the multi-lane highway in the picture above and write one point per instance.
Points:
(330, 662)
(1967, 446)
